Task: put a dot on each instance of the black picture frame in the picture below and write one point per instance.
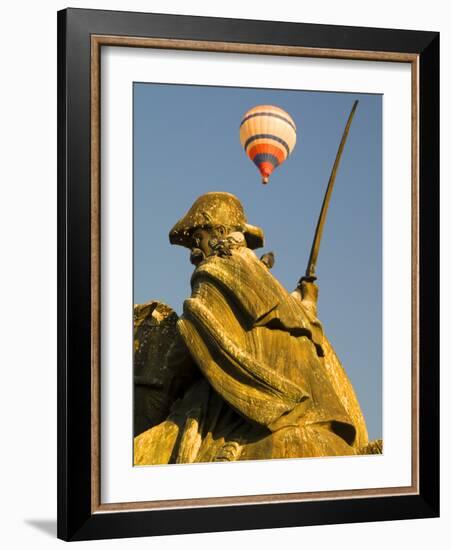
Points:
(76, 518)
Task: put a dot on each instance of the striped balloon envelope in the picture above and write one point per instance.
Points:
(268, 136)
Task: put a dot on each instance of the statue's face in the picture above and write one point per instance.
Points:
(201, 238)
(201, 246)
(210, 242)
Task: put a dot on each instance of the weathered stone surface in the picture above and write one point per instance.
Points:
(374, 447)
(154, 333)
(345, 392)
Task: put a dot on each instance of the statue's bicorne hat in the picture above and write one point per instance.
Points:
(212, 210)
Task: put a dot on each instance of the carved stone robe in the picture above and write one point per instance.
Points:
(254, 375)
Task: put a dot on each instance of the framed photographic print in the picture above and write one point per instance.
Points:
(248, 274)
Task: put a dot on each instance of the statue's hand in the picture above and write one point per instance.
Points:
(309, 292)
(307, 279)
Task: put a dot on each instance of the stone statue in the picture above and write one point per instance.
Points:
(247, 371)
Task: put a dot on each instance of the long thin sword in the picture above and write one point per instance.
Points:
(311, 266)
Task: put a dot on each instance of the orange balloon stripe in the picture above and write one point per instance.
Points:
(266, 168)
(280, 154)
(266, 141)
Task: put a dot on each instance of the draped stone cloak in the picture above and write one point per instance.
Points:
(262, 380)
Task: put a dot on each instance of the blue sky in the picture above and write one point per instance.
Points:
(186, 142)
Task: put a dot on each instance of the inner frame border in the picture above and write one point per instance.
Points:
(97, 41)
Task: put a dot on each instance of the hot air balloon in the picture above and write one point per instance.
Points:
(268, 136)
